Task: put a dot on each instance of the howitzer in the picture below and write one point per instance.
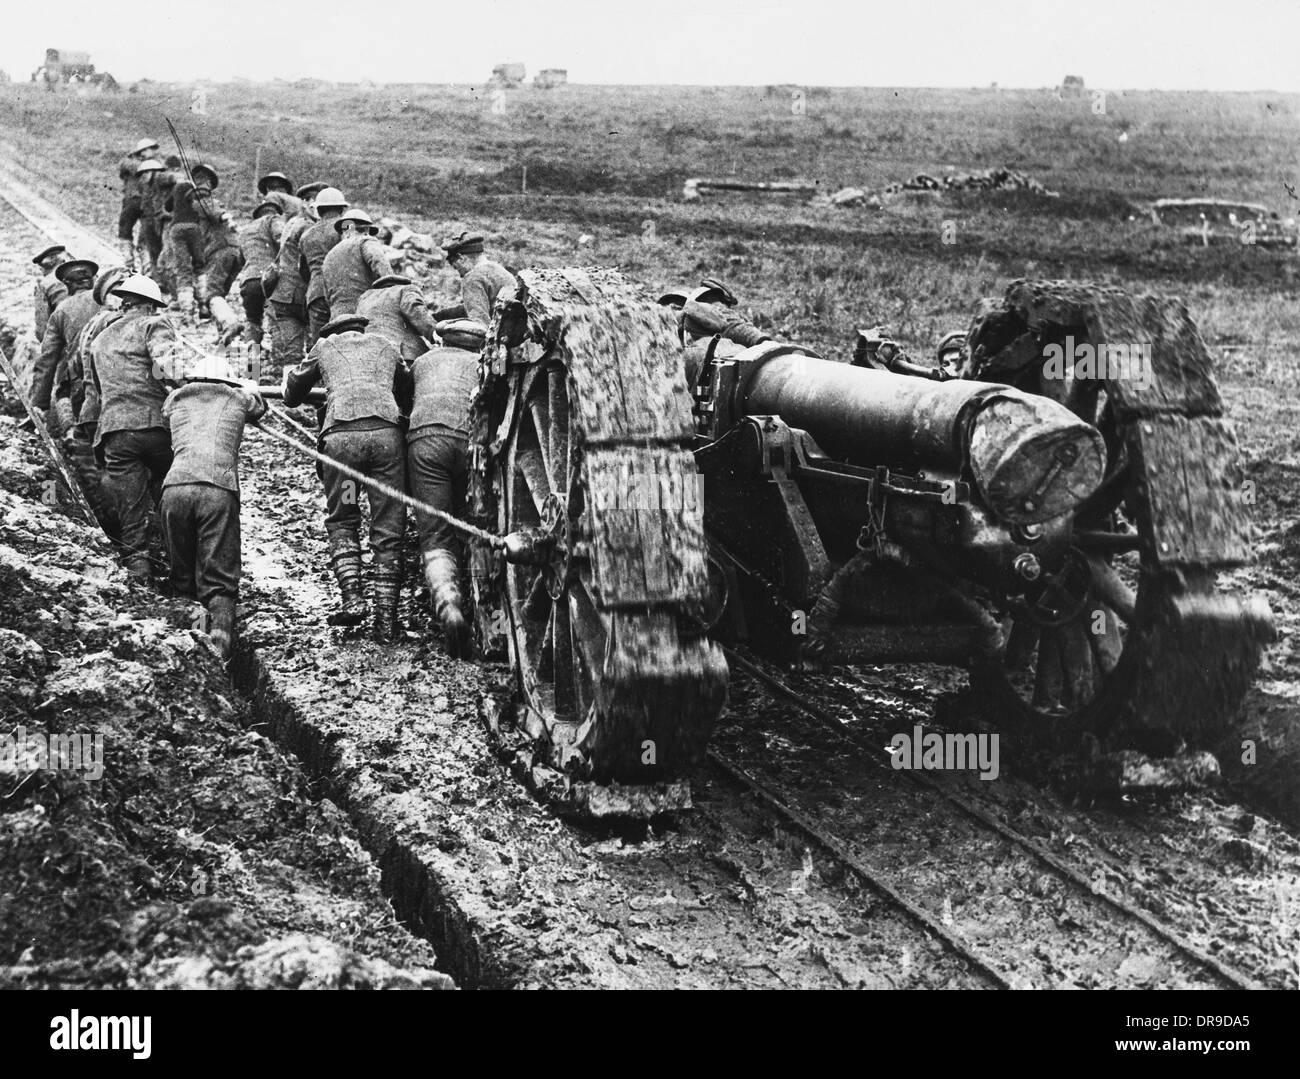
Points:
(697, 484)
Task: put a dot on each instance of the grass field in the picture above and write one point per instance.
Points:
(603, 161)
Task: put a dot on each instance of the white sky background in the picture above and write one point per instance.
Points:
(1115, 44)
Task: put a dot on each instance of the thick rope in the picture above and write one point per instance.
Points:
(376, 485)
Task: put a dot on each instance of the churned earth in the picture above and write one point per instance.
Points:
(511, 895)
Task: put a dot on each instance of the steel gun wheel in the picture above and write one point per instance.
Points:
(1129, 635)
(617, 685)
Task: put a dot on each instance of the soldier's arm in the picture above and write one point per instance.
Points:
(47, 362)
(373, 252)
(414, 309)
(277, 229)
(299, 380)
(167, 358)
(254, 406)
(478, 304)
(89, 414)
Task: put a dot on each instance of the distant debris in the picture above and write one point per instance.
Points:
(510, 74)
(696, 187)
(1072, 86)
(1215, 221)
(550, 77)
(1002, 179)
(849, 197)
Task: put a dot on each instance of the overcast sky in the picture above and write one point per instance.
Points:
(1118, 44)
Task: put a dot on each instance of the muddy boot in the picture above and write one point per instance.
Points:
(387, 578)
(221, 624)
(127, 248)
(442, 575)
(345, 559)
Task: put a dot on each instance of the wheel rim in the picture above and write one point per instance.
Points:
(558, 638)
(1065, 662)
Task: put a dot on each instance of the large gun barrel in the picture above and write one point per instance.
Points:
(1031, 458)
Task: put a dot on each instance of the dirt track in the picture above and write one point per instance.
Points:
(725, 895)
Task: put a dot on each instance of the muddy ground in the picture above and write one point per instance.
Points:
(510, 895)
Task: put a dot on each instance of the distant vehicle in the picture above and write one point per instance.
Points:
(550, 77)
(70, 66)
(1072, 86)
(511, 74)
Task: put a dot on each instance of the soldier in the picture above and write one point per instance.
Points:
(126, 170)
(437, 461)
(285, 287)
(63, 329)
(482, 279)
(315, 244)
(200, 498)
(73, 385)
(154, 185)
(50, 291)
(259, 240)
(164, 183)
(354, 264)
(187, 204)
(223, 259)
(126, 361)
(83, 400)
(363, 376)
(397, 311)
(277, 188)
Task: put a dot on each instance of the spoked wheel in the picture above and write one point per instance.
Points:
(1065, 664)
(618, 686)
(1126, 635)
(559, 637)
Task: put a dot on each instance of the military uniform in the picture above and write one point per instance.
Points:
(480, 287)
(437, 461)
(350, 268)
(289, 296)
(259, 240)
(185, 204)
(130, 212)
(397, 311)
(50, 292)
(316, 243)
(223, 259)
(131, 439)
(363, 376)
(200, 498)
(61, 333)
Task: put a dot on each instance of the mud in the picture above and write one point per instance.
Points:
(394, 760)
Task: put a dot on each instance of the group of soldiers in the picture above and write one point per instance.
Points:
(153, 422)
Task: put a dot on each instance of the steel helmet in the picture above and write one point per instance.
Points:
(107, 280)
(274, 178)
(360, 217)
(150, 165)
(330, 197)
(207, 170)
(144, 144)
(139, 287)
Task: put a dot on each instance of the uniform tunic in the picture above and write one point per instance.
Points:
(200, 500)
(437, 458)
(399, 314)
(50, 292)
(480, 287)
(132, 436)
(61, 334)
(363, 376)
(355, 264)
